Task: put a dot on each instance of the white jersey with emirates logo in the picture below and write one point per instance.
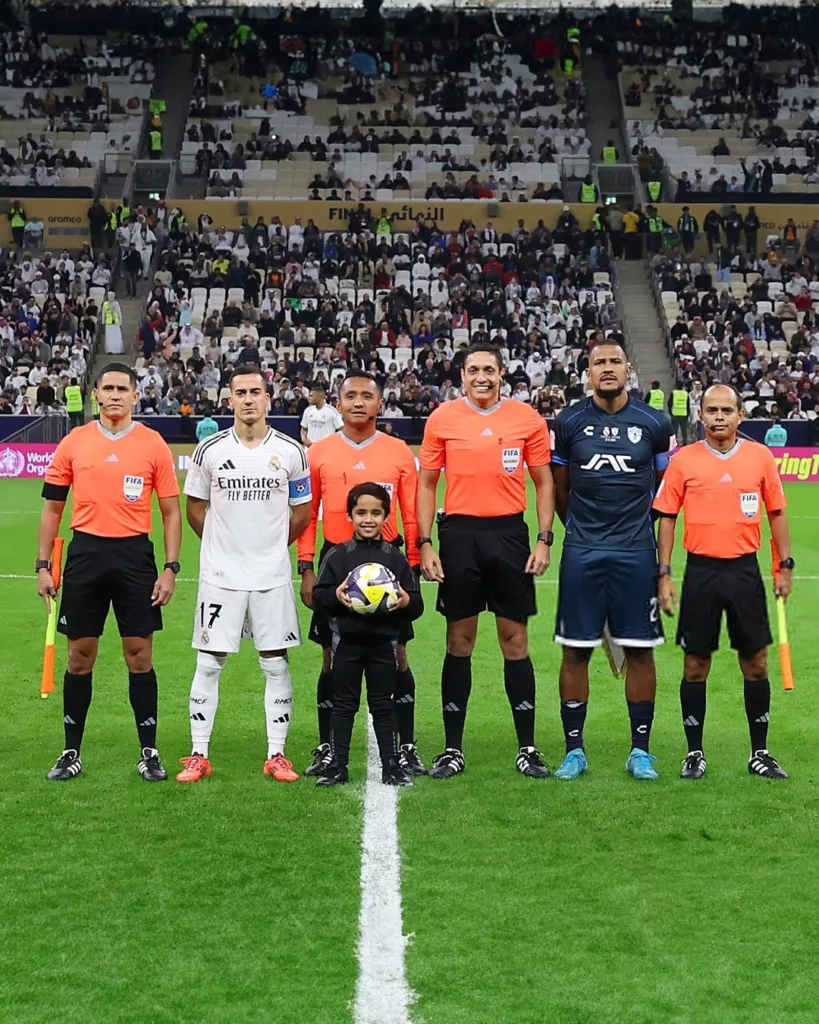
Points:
(250, 491)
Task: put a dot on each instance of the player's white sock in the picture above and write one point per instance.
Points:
(278, 699)
(204, 699)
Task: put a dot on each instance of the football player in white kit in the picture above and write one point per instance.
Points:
(248, 498)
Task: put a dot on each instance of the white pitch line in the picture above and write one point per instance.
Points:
(382, 994)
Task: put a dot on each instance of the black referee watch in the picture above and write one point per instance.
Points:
(44, 563)
(664, 570)
(547, 537)
(173, 566)
(422, 541)
(304, 565)
(786, 563)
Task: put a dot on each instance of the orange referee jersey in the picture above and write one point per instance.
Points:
(113, 477)
(483, 453)
(721, 496)
(337, 464)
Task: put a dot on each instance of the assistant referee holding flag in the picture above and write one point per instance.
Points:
(113, 466)
(721, 485)
(485, 561)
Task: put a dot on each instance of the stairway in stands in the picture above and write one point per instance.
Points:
(648, 349)
(603, 112)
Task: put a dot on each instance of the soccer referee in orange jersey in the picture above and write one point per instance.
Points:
(359, 454)
(113, 466)
(483, 442)
(721, 485)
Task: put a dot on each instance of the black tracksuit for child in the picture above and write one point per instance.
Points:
(364, 644)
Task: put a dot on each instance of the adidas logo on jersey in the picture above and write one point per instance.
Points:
(291, 638)
(227, 465)
(487, 433)
(112, 458)
(727, 479)
(360, 465)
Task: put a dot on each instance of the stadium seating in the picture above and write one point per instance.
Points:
(62, 308)
(70, 129)
(461, 150)
(743, 327)
(408, 324)
(678, 100)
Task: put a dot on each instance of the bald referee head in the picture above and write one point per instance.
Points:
(114, 467)
(721, 413)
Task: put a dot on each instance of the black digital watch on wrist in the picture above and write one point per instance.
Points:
(547, 537)
(422, 541)
(42, 563)
(304, 565)
(787, 563)
(173, 566)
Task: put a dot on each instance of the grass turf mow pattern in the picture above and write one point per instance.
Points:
(236, 901)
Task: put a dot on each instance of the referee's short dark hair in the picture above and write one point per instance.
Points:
(359, 375)
(484, 346)
(119, 368)
(246, 370)
(373, 491)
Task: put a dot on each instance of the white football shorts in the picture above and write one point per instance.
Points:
(224, 617)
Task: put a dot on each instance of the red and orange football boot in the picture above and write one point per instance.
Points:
(196, 768)
(280, 768)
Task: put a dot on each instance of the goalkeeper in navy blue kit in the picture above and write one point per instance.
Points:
(365, 644)
(609, 458)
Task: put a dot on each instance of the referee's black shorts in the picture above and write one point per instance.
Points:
(484, 561)
(712, 586)
(104, 571)
(320, 632)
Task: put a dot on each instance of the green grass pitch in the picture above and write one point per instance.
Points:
(235, 901)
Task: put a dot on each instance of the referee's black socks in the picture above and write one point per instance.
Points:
(76, 701)
(519, 677)
(641, 717)
(142, 691)
(324, 705)
(405, 705)
(692, 705)
(456, 685)
(758, 710)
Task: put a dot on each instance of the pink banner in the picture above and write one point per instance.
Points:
(25, 461)
(797, 464)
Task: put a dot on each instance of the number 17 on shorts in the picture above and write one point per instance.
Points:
(221, 614)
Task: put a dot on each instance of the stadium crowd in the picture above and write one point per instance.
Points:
(307, 305)
(498, 121)
(754, 323)
(725, 108)
(49, 309)
(62, 110)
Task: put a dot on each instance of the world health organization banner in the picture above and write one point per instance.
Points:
(25, 461)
